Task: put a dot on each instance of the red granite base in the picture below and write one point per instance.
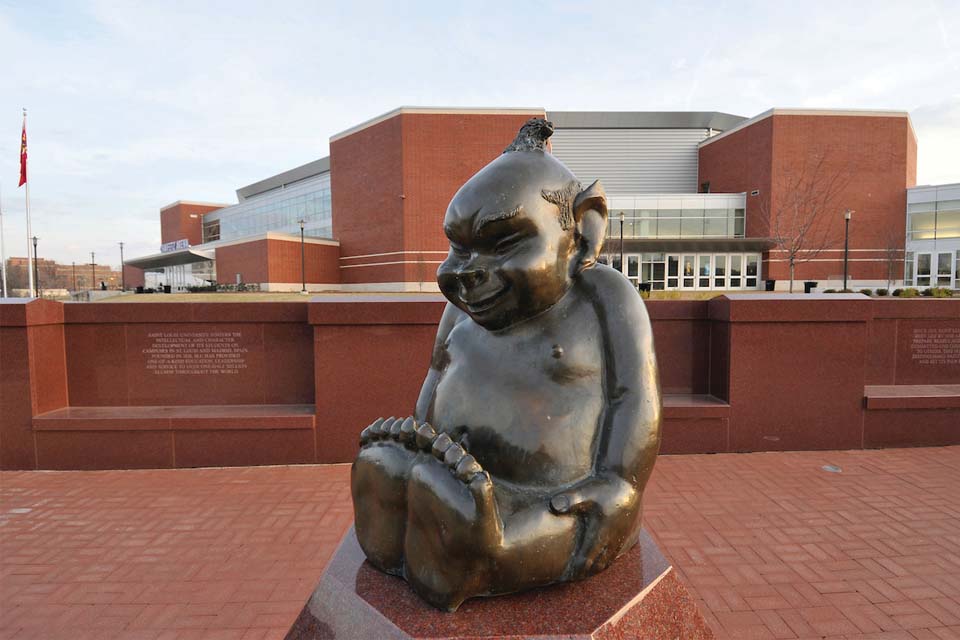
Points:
(638, 597)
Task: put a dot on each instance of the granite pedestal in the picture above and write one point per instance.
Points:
(639, 596)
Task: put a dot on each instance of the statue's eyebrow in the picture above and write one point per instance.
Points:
(496, 217)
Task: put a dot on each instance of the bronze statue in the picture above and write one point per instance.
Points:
(538, 423)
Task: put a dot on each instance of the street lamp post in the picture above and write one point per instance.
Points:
(303, 260)
(93, 270)
(622, 267)
(73, 266)
(846, 243)
(36, 270)
(123, 280)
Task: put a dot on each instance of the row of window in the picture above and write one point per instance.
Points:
(278, 210)
(677, 223)
(933, 220)
(690, 270)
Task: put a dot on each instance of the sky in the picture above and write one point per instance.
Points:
(132, 106)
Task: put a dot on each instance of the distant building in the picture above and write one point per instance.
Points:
(55, 275)
(699, 195)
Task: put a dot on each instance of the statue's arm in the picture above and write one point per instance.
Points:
(438, 362)
(609, 500)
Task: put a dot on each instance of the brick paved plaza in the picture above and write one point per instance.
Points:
(771, 544)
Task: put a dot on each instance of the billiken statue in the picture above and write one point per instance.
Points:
(538, 423)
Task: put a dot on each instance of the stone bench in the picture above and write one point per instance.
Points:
(911, 415)
(231, 416)
(124, 437)
(912, 396)
(694, 423)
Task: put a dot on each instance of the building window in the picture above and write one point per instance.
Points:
(908, 269)
(211, 231)
(696, 220)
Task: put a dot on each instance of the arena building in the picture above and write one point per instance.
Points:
(698, 200)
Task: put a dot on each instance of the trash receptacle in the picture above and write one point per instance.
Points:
(644, 287)
(771, 285)
(809, 286)
(166, 288)
(139, 288)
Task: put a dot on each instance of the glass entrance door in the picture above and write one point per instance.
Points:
(944, 269)
(633, 269)
(923, 269)
(688, 272)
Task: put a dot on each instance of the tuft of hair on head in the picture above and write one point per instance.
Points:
(532, 136)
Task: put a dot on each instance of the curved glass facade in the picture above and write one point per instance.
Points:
(278, 210)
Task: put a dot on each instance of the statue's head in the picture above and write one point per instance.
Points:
(520, 231)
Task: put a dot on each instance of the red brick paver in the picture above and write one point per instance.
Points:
(158, 555)
(770, 544)
(774, 546)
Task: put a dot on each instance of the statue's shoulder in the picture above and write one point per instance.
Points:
(610, 289)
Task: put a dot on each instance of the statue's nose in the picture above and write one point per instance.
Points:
(472, 277)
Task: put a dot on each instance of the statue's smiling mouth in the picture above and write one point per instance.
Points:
(485, 303)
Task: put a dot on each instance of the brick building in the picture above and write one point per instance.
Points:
(55, 275)
(698, 200)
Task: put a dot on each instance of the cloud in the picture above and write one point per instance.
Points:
(135, 105)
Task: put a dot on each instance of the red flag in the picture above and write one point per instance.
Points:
(23, 154)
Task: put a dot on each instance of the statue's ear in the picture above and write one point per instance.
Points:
(590, 214)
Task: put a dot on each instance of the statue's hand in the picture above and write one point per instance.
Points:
(602, 495)
(607, 505)
(398, 430)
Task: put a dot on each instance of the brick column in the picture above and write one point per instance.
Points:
(33, 376)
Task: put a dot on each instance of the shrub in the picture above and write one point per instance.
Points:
(882, 292)
(867, 292)
(897, 292)
(846, 290)
(201, 289)
(938, 292)
(829, 290)
(909, 292)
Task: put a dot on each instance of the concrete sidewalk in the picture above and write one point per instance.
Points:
(772, 545)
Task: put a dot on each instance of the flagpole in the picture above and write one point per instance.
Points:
(3, 254)
(29, 232)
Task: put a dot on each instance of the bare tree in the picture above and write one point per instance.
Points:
(803, 217)
(893, 255)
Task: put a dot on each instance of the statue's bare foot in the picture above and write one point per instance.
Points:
(454, 530)
(379, 486)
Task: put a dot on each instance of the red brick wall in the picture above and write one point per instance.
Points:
(320, 262)
(277, 261)
(249, 259)
(366, 183)
(132, 277)
(741, 162)
(878, 153)
(911, 157)
(176, 223)
(440, 153)
(392, 182)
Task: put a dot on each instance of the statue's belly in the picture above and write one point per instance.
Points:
(527, 415)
